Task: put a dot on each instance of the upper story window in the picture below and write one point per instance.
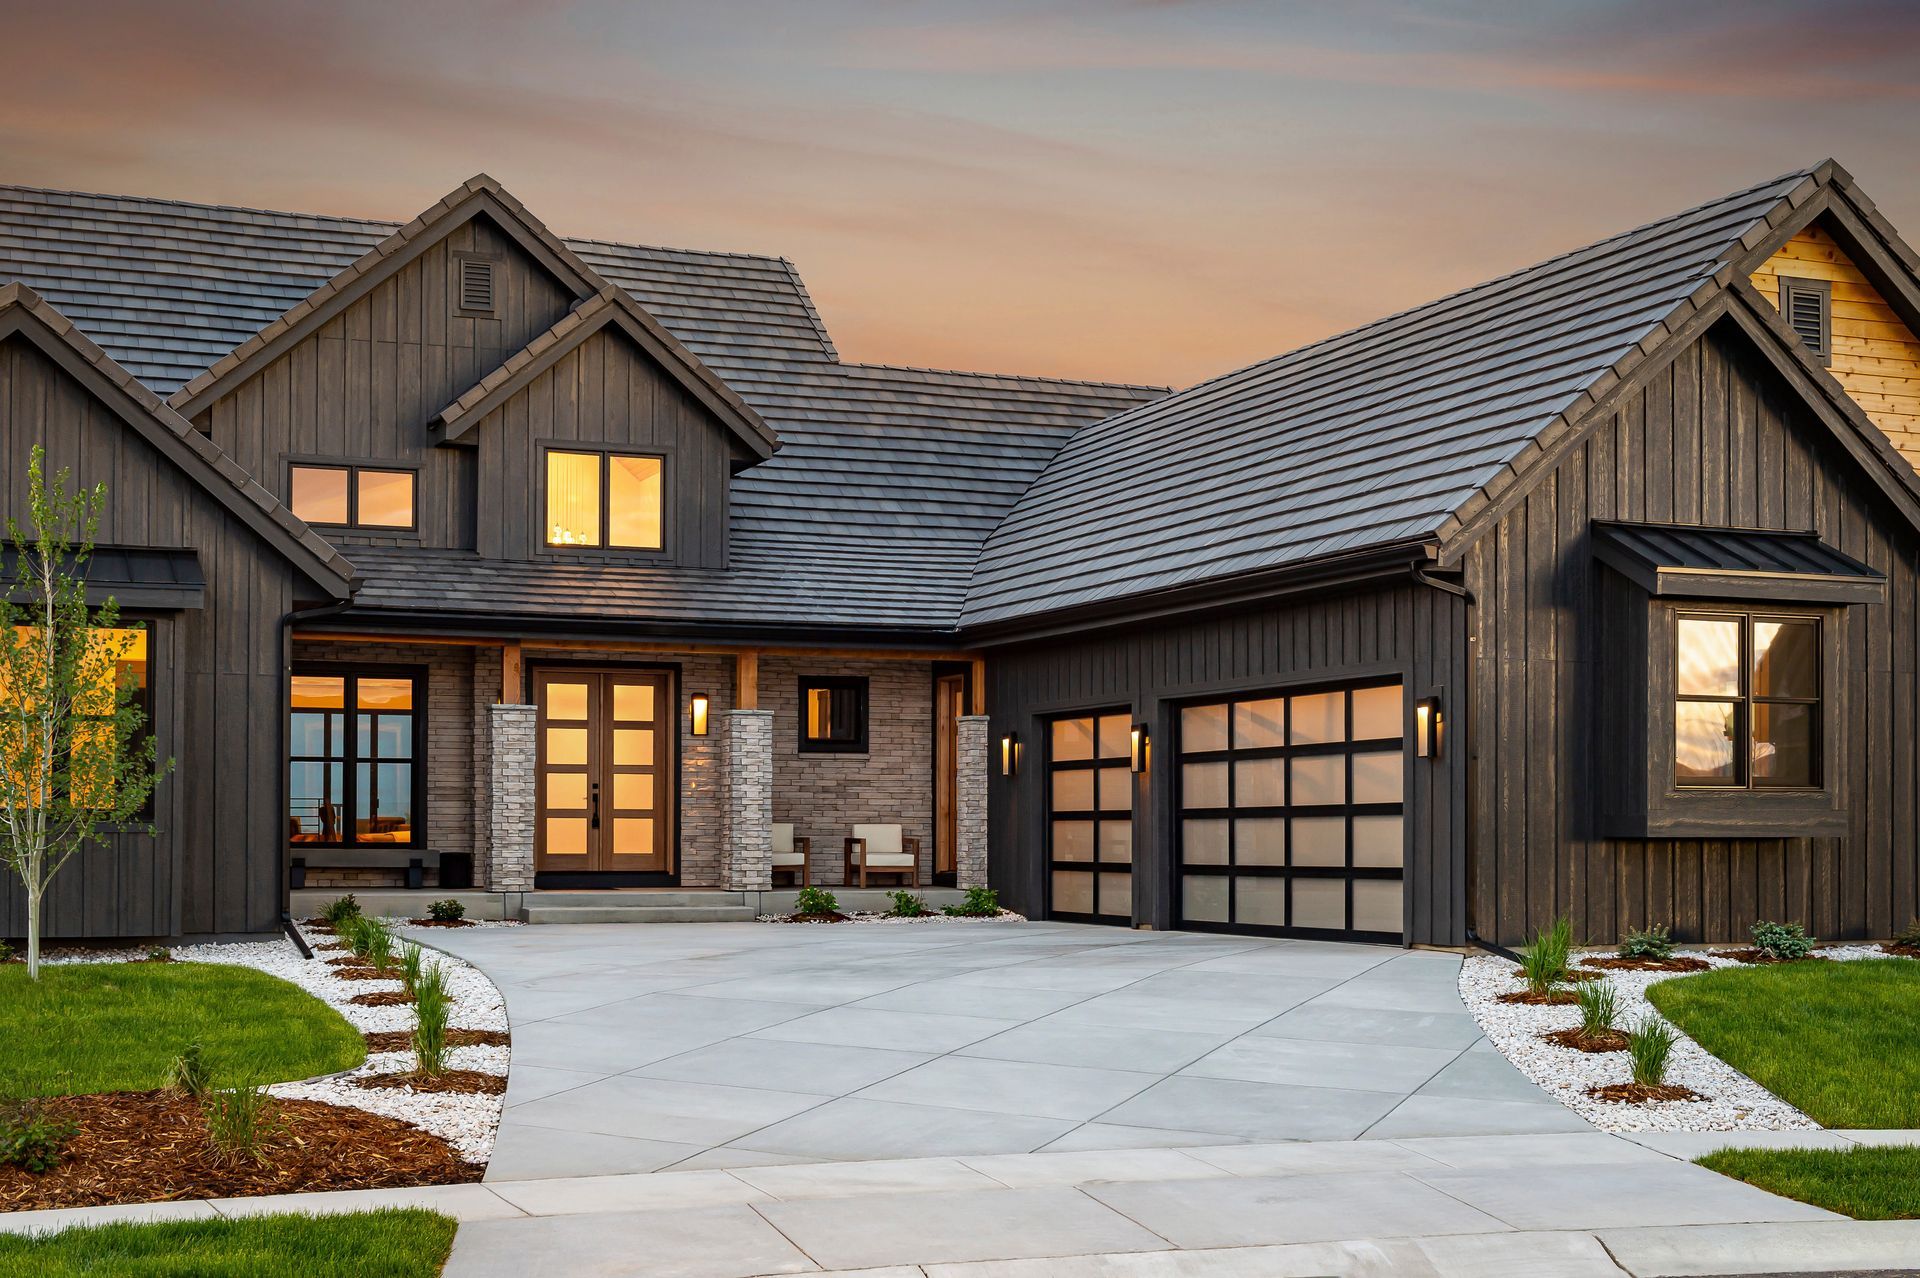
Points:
(601, 500)
(833, 714)
(353, 496)
(1747, 693)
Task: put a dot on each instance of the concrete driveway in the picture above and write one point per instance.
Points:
(640, 1048)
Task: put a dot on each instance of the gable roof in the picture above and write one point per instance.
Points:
(611, 306)
(1391, 434)
(24, 312)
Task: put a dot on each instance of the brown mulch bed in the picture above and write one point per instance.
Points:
(347, 960)
(1755, 956)
(1581, 1041)
(468, 1082)
(439, 923)
(1573, 974)
(138, 1147)
(1649, 965)
(364, 974)
(1559, 998)
(1641, 1093)
(381, 998)
(831, 916)
(1902, 951)
(402, 1040)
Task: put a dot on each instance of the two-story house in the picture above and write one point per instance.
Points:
(470, 556)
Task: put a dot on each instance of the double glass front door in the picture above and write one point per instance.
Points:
(606, 773)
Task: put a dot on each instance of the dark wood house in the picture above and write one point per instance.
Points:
(553, 564)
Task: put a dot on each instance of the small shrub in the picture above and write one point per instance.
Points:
(1782, 940)
(431, 1008)
(353, 930)
(1648, 1047)
(411, 957)
(188, 1073)
(339, 910)
(1650, 943)
(1909, 938)
(447, 911)
(32, 1139)
(1543, 962)
(240, 1120)
(158, 954)
(906, 905)
(6, 952)
(1599, 1006)
(813, 900)
(979, 903)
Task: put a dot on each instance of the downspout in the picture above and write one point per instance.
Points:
(287, 622)
(1422, 576)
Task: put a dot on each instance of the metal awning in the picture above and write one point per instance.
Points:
(1692, 561)
(134, 576)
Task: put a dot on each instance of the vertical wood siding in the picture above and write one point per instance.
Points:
(1409, 630)
(1714, 438)
(214, 866)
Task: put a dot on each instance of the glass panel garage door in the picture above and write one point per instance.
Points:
(1090, 819)
(1291, 813)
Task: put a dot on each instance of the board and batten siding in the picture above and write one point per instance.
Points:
(364, 386)
(1875, 356)
(215, 671)
(1713, 438)
(1409, 630)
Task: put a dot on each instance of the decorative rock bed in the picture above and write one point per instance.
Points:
(1731, 1102)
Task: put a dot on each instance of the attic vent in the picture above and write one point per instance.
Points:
(474, 284)
(1807, 306)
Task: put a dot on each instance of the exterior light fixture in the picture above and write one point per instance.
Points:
(699, 714)
(1429, 727)
(1009, 754)
(1142, 747)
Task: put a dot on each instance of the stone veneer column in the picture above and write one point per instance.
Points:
(970, 797)
(747, 800)
(510, 806)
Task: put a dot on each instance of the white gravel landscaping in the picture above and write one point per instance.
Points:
(875, 916)
(1734, 1102)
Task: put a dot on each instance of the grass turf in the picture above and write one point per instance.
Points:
(109, 1027)
(390, 1243)
(1868, 1183)
(1834, 1039)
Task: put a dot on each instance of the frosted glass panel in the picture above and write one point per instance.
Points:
(1320, 903)
(633, 702)
(1320, 841)
(1203, 728)
(1116, 790)
(1204, 898)
(633, 790)
(1319, 719)
(1204, 842)
(566, 836)
(1116, 842)
(1319, 779)
(1073, 840)
(1378, 777)
(1260, 841)
(567, 790)
(1073, 791)
(1072, 739)
(566, 745)
(1378, 841)
(633, 836)
(1377, 714)
(633, 747)
(1260, 902)
(1203, 785)
(1072, 892)
(566, 700)
(1376, 906)
(1259, 783)
(1259, 724)
(1115, 736)
(1116, 895)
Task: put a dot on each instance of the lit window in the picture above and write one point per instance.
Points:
(353, 496)
(603, 500)
(351, 758)
(1747, 691)
(115, 658)
(833, 714)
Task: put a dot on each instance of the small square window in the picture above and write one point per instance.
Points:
(833, 714)
(348, 496)
(607, 501)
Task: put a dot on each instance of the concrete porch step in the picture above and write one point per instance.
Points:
(635, 898)
(630, 910)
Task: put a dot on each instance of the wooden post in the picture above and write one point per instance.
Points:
(510, 677)
(746, 681)
(979, 686)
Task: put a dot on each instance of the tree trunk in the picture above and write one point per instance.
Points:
(33, 933)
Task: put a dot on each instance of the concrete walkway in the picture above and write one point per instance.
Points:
(644, 1048)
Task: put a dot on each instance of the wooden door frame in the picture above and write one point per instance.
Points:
(588, 664)
(946, 772)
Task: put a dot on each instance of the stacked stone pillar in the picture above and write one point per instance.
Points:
(747, 799)
(970, 801)
(510, 807)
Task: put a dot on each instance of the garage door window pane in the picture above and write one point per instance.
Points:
(1320, 841)
(1116, 790)
(1260, 902)
(1376, 905)
(1072, 739)
(1377, 714)
(1116, 895)
(1073, 840)
(1073, 791)
(1204, 785)
(1204, 841)
(1115, 736)
(1203, 728)
(1260, 841)
(1259, 783)
(1319, 779)
(1320, 903)
(1319, 719)
(1259, 724)
(1203, 898)
(1116, 842)
(1377, 777)
(1072, 892)
(1377, 841)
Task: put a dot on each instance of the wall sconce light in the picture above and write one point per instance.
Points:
(1141, 748)
(1009, 754)
(699, 714)
(1429, 727)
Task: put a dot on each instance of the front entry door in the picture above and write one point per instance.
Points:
(606, 777)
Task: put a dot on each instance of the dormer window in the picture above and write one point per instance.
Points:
(349, 496)
(1807, 306)
(603, 500)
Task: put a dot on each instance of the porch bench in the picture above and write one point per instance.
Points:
(412, 860)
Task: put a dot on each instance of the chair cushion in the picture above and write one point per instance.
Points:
(883, 860)
(788, 858)
(782, 836)
(880, 838)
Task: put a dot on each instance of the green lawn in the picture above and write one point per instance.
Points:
(1869, 1183)
(109, 1027)
(377, 1244)
(1835, 1039)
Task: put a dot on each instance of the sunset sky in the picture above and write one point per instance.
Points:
(1131, 191)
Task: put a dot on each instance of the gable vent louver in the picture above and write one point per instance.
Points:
(476, 284)
(1807, 307)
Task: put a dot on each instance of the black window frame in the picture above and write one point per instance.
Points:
(1098, 815)
(351, 673)
(352, 470)
(1792, 287)
(856, 691)
(1745, 699)
(603, 549)
(144, 698)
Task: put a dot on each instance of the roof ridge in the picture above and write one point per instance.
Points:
(1009, 377)
(806, 300)
(671, 248)
(200, 204)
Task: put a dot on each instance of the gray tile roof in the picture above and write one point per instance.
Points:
(1370, 438)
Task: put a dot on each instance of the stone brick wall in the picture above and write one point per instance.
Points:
(510, 809)
(702, 803)
(970, 854)
(748, 790)
(825, 795)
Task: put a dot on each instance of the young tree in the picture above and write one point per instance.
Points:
(74, 761)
